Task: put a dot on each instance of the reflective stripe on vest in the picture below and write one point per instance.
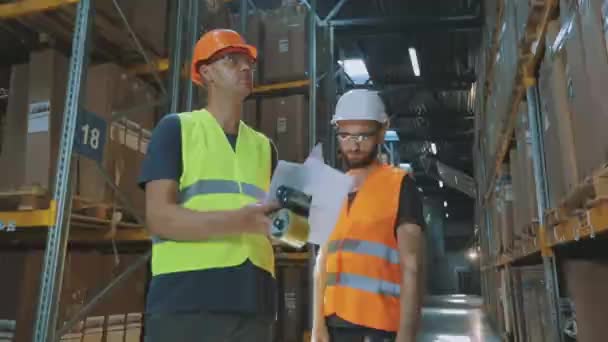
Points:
(365, 247)
(212, 187)
(364, 283)
(219, 186)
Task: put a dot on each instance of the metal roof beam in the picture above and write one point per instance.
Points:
(436, 84)
(379, 25)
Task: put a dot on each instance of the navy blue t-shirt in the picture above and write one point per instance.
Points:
(244, 289)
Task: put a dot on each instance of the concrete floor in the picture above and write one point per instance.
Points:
(456, 318)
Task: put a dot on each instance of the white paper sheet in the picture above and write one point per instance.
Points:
(328, 187)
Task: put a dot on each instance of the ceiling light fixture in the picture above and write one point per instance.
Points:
(356, 70)
(414, 59)
(434, 148)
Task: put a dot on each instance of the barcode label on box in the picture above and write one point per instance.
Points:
(509, 192)
(282, 125)
(38, 117)
(283, 45)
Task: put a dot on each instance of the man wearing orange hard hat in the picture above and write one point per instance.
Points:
(205, 175)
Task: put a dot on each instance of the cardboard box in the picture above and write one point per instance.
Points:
(551, 138)
(148, 18)
(110, 89)
(48, 77)
(505, 208)
(254, 35)
(526, 164)
(285, 45)
(285, 121)
(518, 216)
(596, 61)
(14, 131)
(586, 72)
(586, 281)
(85, 273)
(149, 21)
(561, 159)
(293, 299)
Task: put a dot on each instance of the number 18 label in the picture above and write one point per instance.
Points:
(91, 136)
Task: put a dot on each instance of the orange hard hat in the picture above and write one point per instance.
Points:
(214, 42)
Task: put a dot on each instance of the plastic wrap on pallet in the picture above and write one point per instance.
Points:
(522, 12)
(490, 128)
(505, 207)
(560, 155)
(582, 38)
(526, 171)
(518, 216)
(491, 15)
(506, 67)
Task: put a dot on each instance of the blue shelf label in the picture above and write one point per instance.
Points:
(90, 137)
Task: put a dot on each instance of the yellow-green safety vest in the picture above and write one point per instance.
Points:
(217, 177)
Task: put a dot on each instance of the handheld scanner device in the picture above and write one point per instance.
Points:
(290, 224)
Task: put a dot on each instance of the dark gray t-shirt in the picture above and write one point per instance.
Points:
(244, 289)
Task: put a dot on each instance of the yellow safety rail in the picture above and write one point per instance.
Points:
(588, 224)
(9, 220)
(26, 7)
(280, 86)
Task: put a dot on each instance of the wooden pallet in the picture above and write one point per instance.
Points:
(25, 198)
(94, 209)
(583, 213)
(588, 193)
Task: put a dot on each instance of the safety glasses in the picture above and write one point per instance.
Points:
(358, 138)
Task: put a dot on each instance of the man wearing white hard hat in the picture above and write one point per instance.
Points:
(369, 276)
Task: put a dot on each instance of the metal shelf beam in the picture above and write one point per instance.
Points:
(54, 257)
(268, 88)
(27, 7)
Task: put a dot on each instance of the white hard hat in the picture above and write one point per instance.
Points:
(360, 104)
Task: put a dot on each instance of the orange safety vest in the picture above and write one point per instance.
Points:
(363, 264)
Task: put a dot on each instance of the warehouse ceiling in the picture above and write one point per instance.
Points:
(433, 107)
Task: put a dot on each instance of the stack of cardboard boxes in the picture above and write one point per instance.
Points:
(573, 81)
(281, 37)
(81, 282)
(34, 119)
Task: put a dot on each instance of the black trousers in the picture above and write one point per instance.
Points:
(359, 335)
(203, 327)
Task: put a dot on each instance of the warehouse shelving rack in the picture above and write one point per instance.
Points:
(530, 54)
(557, 227)
(57, 223)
